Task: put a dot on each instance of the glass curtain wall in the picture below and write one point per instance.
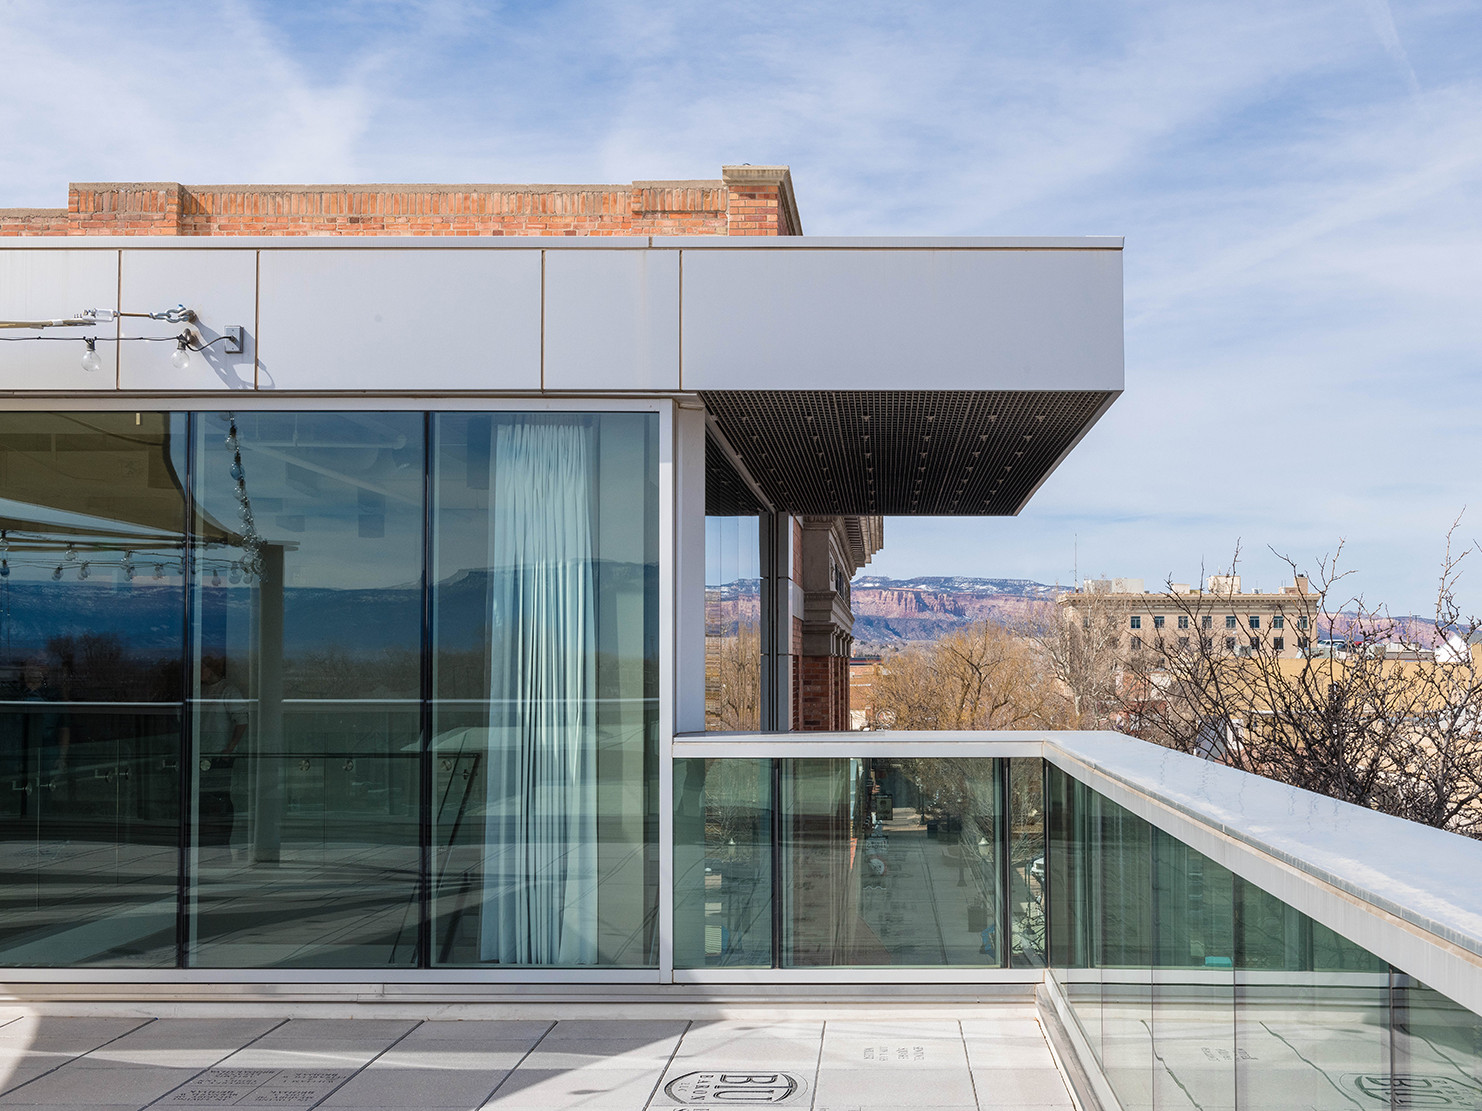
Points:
(92, 551)
(545, 708)
(343, 689)
(1196, 989)
(305, 689)
(856, 863)
(733, 624)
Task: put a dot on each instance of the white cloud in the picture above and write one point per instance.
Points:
(1299, 186)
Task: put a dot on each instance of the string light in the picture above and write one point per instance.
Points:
(56, 576)
(90, 360)
(180, 357)
(4, 568)
(82, 572)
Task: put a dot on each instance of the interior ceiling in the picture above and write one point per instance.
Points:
(894, 453)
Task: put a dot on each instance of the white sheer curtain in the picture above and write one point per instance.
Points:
(540, 829)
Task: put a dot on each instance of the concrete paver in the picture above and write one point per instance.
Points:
(372, 1064)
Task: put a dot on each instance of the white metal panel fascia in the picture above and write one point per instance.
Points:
(410, 320)
(220, 287)
(895, 242)
(557, 242)
(53, 285)
(916, 319)
(611, 320)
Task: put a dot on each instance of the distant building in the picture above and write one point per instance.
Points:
(1222, 616)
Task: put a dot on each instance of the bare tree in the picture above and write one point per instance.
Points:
(1080, 645)
(980, 677)
(1370, 717)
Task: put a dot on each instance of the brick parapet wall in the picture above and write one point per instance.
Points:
(658, 208)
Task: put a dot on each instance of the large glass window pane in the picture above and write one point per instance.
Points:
(92, 520)
(733, 614)
(306, 689)
(722, 863)
(891, 862)
(545, 711)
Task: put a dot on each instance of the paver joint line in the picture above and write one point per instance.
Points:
(688, 1025)
(196, 1076)
(495, 1090)
(79, 1057)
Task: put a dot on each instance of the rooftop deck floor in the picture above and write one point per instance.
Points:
(993, 1061)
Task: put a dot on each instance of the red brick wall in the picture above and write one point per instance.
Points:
(821, 693)
(641, 208)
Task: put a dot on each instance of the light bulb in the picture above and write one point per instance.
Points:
(159, 571)
(180, 357)
(82, 572)
(4, 568)
(90, 360)
(56, 576)
(235, 575)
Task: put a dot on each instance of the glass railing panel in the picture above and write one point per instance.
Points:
(1312, 1011)
(891, 862)
(1194, 979)
(1437, 1047)
(1121, 856)
(723, 863)
(1207, 992)
(1068, 909)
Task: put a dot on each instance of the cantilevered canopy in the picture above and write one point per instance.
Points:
(945, 453)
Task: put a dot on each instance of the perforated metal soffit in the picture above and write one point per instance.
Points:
(893, 453)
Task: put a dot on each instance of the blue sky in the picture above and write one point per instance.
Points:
(1299, 185)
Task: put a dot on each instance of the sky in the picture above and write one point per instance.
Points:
(1298, 183)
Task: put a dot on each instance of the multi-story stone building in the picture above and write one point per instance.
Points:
(1219, 617)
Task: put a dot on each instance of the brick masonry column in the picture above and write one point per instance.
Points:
(760, 201)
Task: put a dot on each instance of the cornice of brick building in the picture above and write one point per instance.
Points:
(746, 200)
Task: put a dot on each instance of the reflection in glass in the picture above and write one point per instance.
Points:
(545, 713)
(1027, 862)
(1197, 989)
(305, 690)
(1437, 1048)
(722, 863)
(1312, 1011)
(891, 862)
(1123, 920)
(92, 518)
(733, 613)
(1193, 982)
